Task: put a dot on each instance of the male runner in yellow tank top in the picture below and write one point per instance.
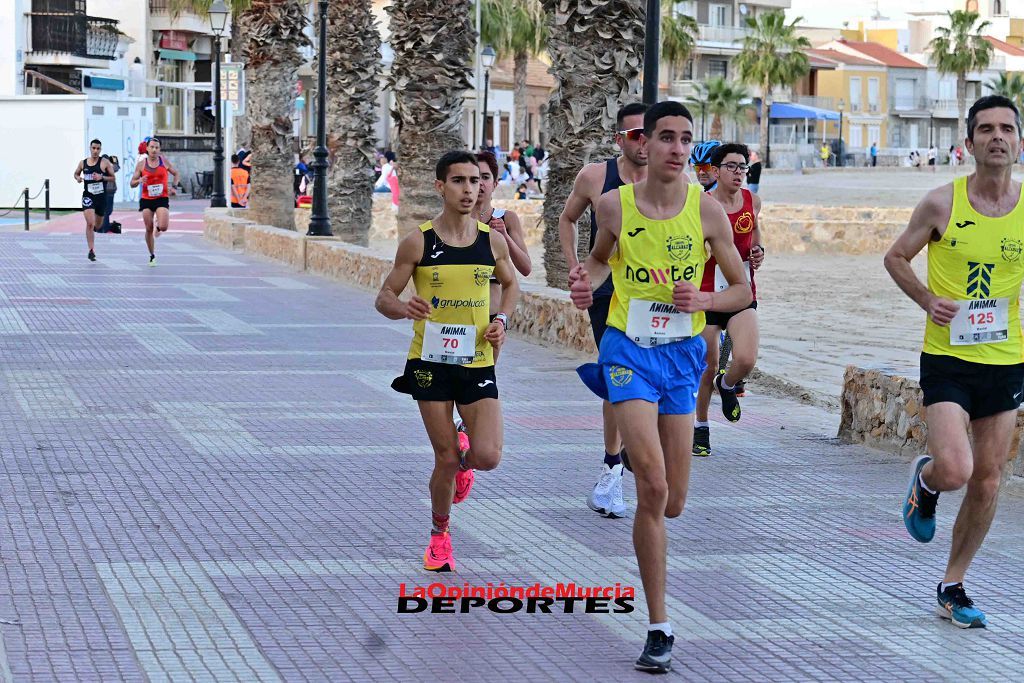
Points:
(972, 364)
(451, 360)
(652, 355)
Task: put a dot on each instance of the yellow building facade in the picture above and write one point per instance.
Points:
(858, 88)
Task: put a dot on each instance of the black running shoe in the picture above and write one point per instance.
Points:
(702, 441)
(92, 255)
(657, 654)
(730, 404)
(741, 389)
(116, 229)
(625, 460)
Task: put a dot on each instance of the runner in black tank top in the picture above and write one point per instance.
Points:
(93, 172)
(593, 181)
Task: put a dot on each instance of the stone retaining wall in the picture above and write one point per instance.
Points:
(883, 407)
(543, 315)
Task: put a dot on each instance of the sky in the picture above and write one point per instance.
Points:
(820, 13)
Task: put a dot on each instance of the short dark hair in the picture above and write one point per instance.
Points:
(631, 109)
(989, 102)
(722, 151)
(449, 159)
(661, 110)
(156, 140)
(94, 141)
(491, 161)
(234, 158)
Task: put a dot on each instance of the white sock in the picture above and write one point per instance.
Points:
(700, 423)
(947, 585)
(665, 628)
(726, 386)
(920, 478)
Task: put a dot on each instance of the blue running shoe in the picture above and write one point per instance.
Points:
(919, 505)
(958, 608)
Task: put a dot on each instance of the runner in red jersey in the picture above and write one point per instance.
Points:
(153, 173)
(730, 162)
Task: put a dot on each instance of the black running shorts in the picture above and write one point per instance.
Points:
(96, 202)
(722, 319)
(598, 313)
(427, 381)
(154, 204)
(981, 390)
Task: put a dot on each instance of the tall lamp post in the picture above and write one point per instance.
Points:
(842, 105)
(487, 57)
(652, 43)
(219, 13)
(319, 222)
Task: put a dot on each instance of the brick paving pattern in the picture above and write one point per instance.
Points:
(207, 477)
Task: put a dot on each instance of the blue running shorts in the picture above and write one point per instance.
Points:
(668, 375)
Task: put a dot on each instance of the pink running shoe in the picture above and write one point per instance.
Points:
(460, 429)
(463, 485)
(438, 556)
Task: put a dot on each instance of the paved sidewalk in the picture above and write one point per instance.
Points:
(207, 477)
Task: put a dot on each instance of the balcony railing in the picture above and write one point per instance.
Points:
(722, 34)
(159, 6)
(75, 34)
(816, 101)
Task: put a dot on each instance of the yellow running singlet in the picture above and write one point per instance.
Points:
(978, 263)
(652, 256)
(456, 282)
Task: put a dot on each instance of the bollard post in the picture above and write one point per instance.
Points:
(46, 187)
(26, 208)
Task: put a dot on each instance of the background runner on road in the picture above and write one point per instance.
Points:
(94, 171)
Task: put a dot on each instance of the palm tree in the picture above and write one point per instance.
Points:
(353, 72)
(678, 38)
(722, 100)
(433, 42)
(1010, 85)
(772, 55)
(515, 28)
(272, 31)
(596, 53)
(960, 49)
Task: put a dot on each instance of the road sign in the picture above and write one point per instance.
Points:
(232, 86)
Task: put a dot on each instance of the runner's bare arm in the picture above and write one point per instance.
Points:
(410, 249)
(78, 171)
(927, 223)
(173, 171)
(505, 272)
(137, 176)
(518, 252)
(109, 168)
(718, 233)
(756, 250)
(583, 190)
(587, 276)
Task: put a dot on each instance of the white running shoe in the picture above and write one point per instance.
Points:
(606, 498)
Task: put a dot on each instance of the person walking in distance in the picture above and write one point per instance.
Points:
(93, 172)
(593, 181)
(152, 173)
(110, 188)
(972, 363)
(450, 363)
(653, 237)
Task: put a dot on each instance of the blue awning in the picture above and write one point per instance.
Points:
(103, 83)
(180, 55)
(788, 110)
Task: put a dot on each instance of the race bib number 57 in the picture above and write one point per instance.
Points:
(980, 321)
(449, 344)
(651, 323)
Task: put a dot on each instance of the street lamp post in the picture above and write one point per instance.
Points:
(842, 105)
(487, 57)
(319, 221)
(218, 20)
(652, 43)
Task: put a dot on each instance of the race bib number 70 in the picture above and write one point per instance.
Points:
(449, 344)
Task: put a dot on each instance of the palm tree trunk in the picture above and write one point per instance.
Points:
(766, 105)
(596, 53)
(961, 106)
(273, 30)
(353, 72)
(716, 127)
(242, 133)
(433, 42)
(522, 130)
